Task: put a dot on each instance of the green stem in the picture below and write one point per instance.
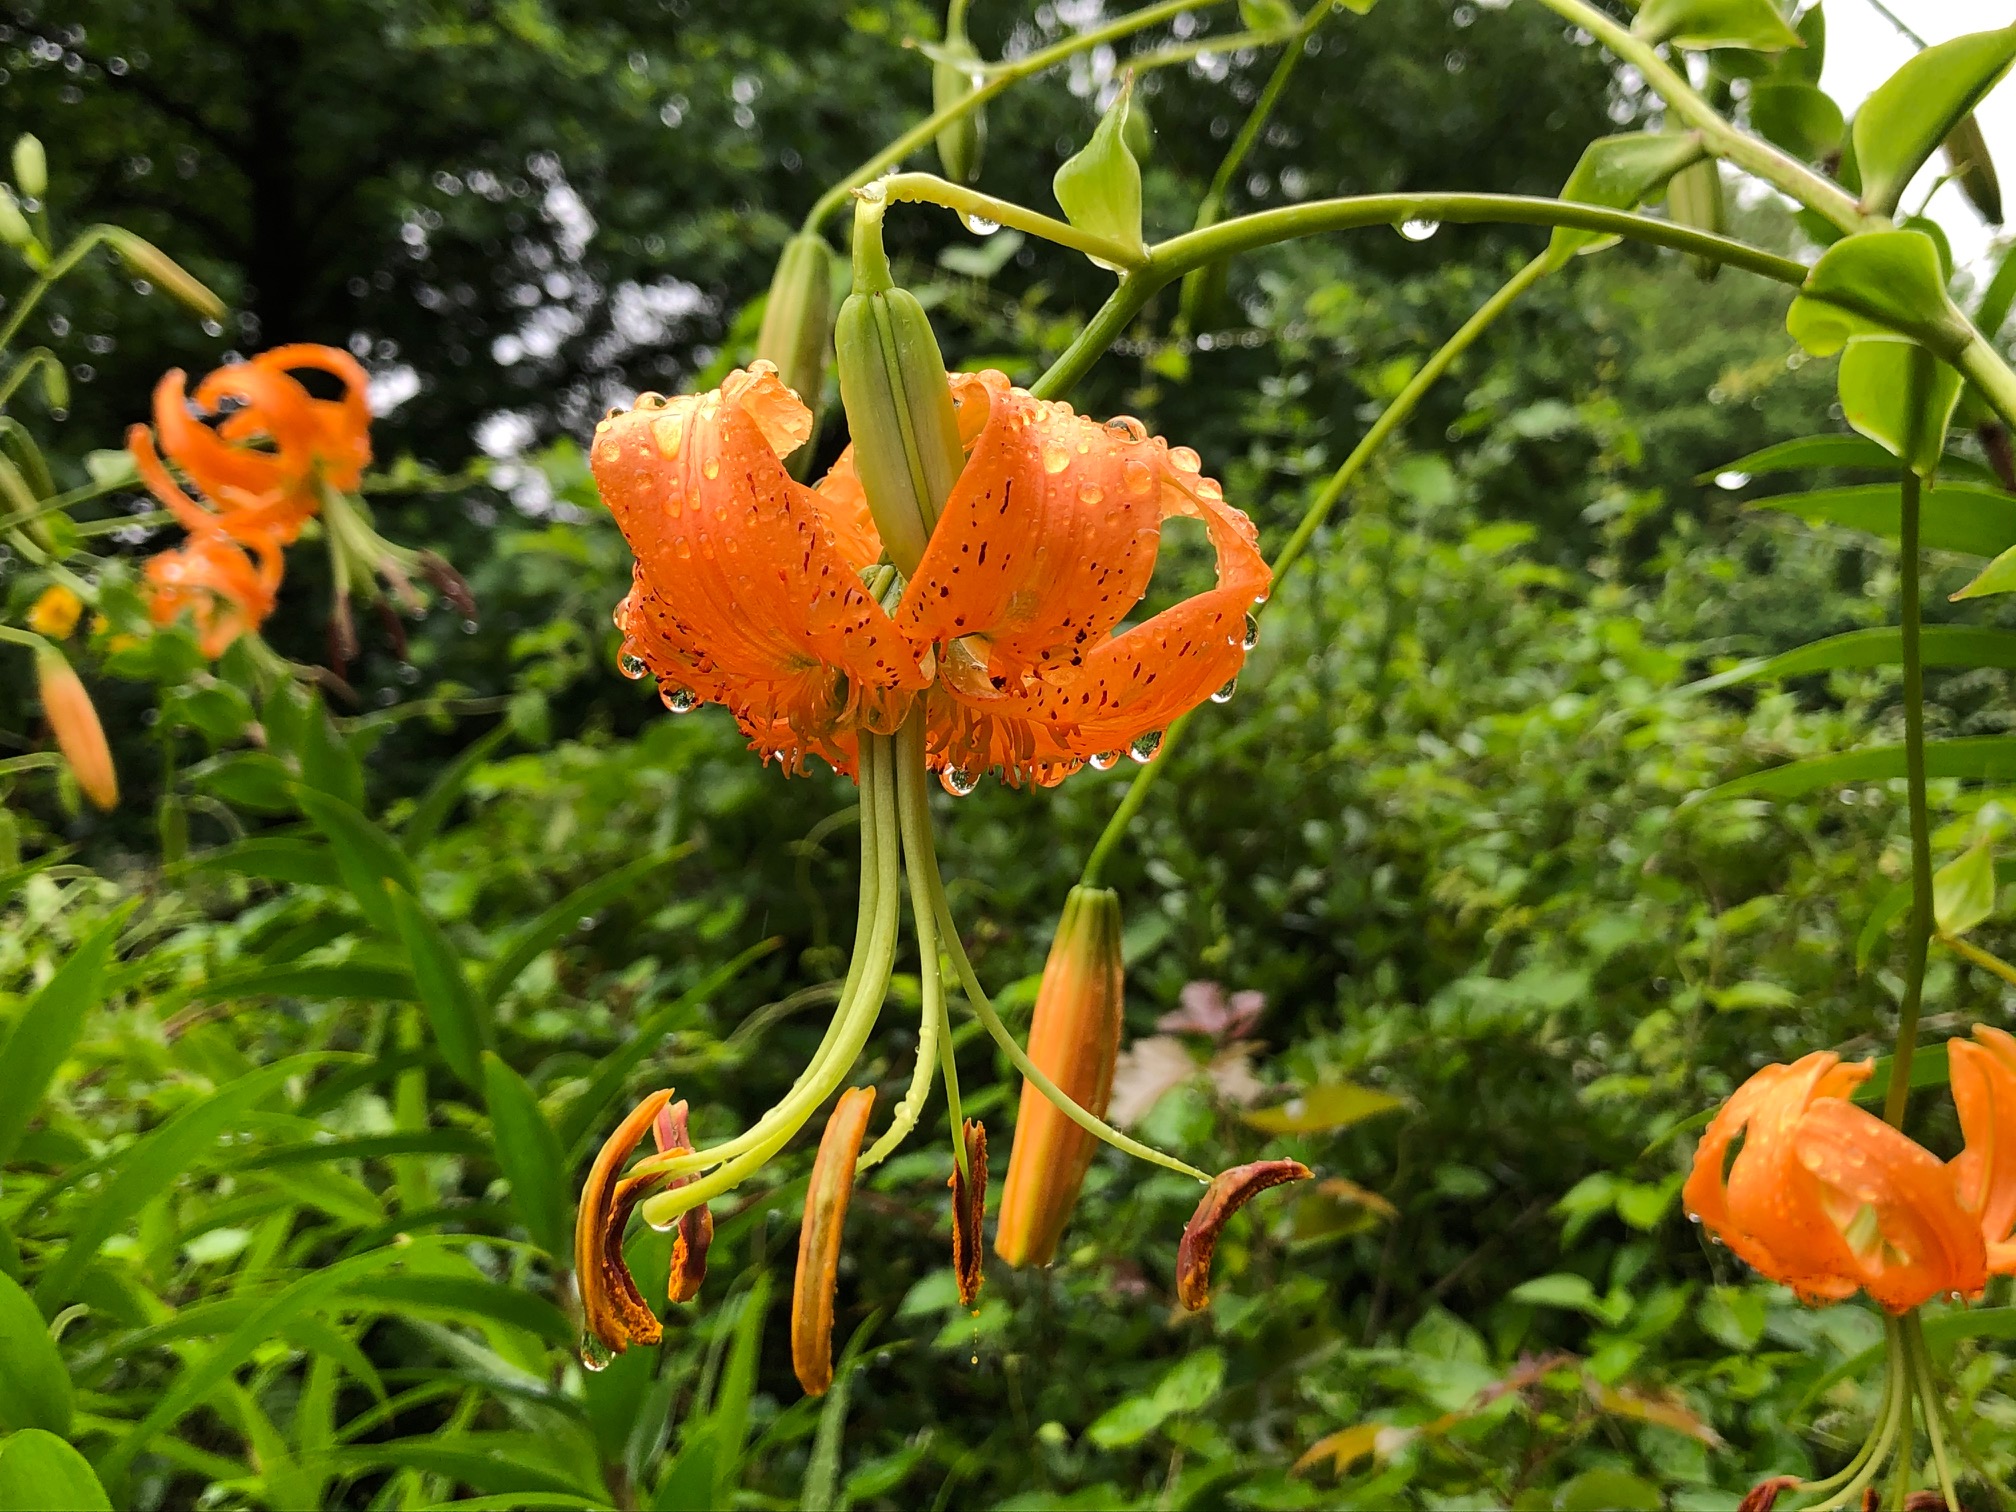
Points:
(925, 860)
(1394, 416)
(930, 189)
(1893, 1380)
(1918, 935)
(913, 808)
(1752, 154)
(1256, 118)
(72, 255)
(927, 129)
(1894, 1413)
(1928, 1392)
(1974, 953)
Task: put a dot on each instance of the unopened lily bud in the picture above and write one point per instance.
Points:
(74, 719)
(898, 401)
(826, 1199)
(31, 166)
(148, 261)
(56, 612)
(1099, 189)
(798, 317)
(1967, 153)
(1694, 198)
(955, 75)
(14, 227)
(1074, 1039)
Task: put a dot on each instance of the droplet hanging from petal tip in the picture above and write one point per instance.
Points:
(1142, 747)
(1104, 761)
(958, 781)
(595, 1355)
(1224, 694)
(680, 700)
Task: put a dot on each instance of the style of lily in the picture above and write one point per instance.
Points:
(1831, 1200)
(267, 456)
(984, 639)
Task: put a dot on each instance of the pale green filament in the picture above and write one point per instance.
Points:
(1928, 1391)
(1893, 1414)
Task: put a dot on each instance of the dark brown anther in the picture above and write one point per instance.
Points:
(1928, 1501)
(1229, 1191)
(394, 627)
(969, 1208)
(452, 585)
(826, 1200)
(615, 1312)
(696, 1225)
(1764, 1495)
(342, 637)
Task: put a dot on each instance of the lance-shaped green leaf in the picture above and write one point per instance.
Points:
(1099, 189)
(1968, 156)
(1963, 890)
(1901, 397)
(1876, 283)
(1975, 758)
(1965, 517)
(1834, 451)
(530, 1154)
(460, 1022)
(1752, 24)
(49, 1026)
(1881, 646)
(1917, 107)
(1803, 120)
(1619, 173)
(34, 1382)
(1999, 576)
(367, 859)
(39, 1472)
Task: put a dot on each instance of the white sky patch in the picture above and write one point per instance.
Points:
(1864, 49)
(392, 388)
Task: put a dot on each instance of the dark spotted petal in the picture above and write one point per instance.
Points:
(1229, 1191)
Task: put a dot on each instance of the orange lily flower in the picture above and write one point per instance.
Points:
(1074, 1039)
(750, 587)
(1830, 1199)
(226, 591)
(1984, 1090)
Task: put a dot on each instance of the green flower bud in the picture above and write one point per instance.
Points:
(1694, 198)
(798, 318)
(898, 401)
(1967, 152)
(146, 260)
(1100, 188)
(14, 227)
(955, 75)
(31, 166)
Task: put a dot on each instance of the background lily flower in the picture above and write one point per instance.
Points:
(1984, 1090)
(1830, 1199)
(227, 591)
(749, 587)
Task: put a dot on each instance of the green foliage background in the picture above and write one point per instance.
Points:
(1442, 827)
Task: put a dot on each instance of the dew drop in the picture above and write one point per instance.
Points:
(468, 627)
(1139, 478)
(595, 1354)
(1419, 229)
(1142, 748)
(631, 665)
(680, 700)
(958, 781)
(1091, 493)
(59, 412)
(1224, 694)
(1105, 761)
(668, 431)
(1252, 637)
(1731, 479)
(1055, 458)
(213, 328)
(979, 225)
(1184, 460)
(711, 468)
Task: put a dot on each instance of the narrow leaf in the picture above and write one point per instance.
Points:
(1963, 890)
(1976, 758)
(1964, 517)
(1883, 646)
(49, 1026)
(530, 1154)
(1620, 173)
(1099, 188)
(364, 856)
(460, 1022)
(1752, 24)
(432, 811)
(1917, 107)
(566, 915)
(1837, 451)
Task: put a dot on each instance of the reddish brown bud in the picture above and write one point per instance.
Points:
(819, 1239)
(969, 1207)
(1229, 1191)
(74, 720)
(614, 1310)
(696, 1226)
(1074, 1039)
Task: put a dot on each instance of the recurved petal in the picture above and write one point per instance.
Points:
(1229, 1191)
(1048, 538)
(207, 456)
(342, 426)
(1778, 1223)
(1984, 1091)
(746, 597)
(819, 1236)
(613, 1309)
(844, 506)
(1908, 1238)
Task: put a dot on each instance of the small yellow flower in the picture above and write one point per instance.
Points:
(56, 612)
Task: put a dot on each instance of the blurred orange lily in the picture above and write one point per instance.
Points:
(1984, 1090)
(227, 591)
(753, 590)
(1830, 1199)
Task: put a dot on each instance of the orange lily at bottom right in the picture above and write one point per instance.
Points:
(1831, 1200)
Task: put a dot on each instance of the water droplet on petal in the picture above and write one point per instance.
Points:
(1252, 636)
(1091, 493)
(1139, 478)
(631, 665)
(711, 467)
(595, 1354)
(1419, 229)
(1142, 747)
(1184, 460)
(979, 225)
(1055, 458)
(1105, 761)
(668, 431)
(1224, 694)
(680, 700)
(958, 781)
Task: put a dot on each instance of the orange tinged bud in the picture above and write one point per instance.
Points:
(56, 612)
(1229, 1191)
(819, 1239)
(1074, 1039)
(74, 719)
